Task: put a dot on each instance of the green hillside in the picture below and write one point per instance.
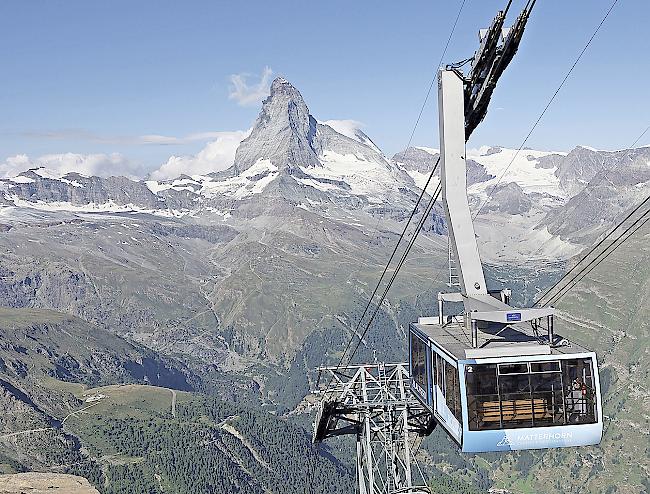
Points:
(135, 438)
(137, 445)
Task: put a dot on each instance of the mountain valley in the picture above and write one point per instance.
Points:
(232, 287)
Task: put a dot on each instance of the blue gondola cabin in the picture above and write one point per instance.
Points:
(510, 391)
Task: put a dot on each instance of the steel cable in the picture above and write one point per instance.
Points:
(417, 122)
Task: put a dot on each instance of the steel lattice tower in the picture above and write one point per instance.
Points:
(374, 403)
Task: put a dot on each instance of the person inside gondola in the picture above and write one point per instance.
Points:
(578, 393)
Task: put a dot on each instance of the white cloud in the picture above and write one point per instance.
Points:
(215, 156)
(346, 127)
(252, 94)
(102, 165)
(165, 140)
(154, 139)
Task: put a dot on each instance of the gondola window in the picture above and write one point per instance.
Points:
(419, 362)
(530, 394)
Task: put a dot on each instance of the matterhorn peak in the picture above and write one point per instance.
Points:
(283, 132)
(288, 148)
(284, 94)
(278, 83)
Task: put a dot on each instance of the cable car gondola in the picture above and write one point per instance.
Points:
(511, 390)
(496, 377)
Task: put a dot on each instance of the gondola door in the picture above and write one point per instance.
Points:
(446, 393)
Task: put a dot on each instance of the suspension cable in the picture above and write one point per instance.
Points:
(604, 254)
(645, 219)
(435, 74)
(381, 278)
(424, 217)
(417, 122)
(609, 234)
(593, 249)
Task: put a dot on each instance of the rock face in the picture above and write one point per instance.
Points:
(476, 173)
(573, 197)
(416, 159)
(283, 133)
(578, 167)
(552, 161)
(509, 198)
(615, 183)
(287, 135)
(44, 483)
(422, 161)
(79, 190)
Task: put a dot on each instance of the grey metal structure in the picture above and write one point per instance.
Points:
(497, 49)
(462, 104)
(453, 177)
(495, 377)
(374, 403)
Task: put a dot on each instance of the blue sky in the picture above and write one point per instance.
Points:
(94, 77)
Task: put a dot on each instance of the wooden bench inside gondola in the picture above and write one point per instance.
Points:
(491, 411)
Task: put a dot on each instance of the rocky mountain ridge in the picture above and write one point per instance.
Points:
(196, 256)
(288, 155)
(551, 204)
(548, 204)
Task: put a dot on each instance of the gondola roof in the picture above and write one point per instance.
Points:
(511, 340)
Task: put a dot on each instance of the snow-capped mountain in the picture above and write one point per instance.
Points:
(612, 183)
(289, 144)
(545, 204)
(288, 154)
